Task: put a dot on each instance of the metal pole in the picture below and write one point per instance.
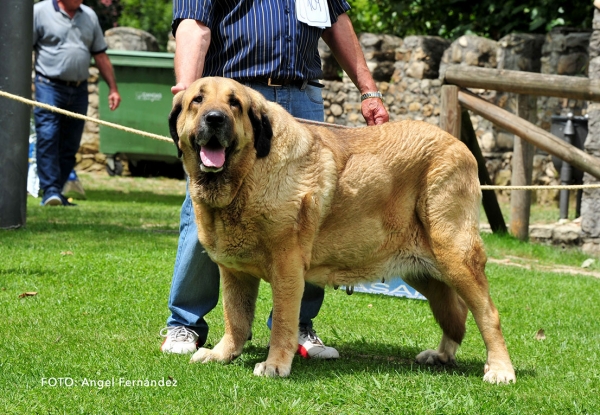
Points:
(16, 31)
(566, 171)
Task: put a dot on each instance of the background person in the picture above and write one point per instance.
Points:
(264, 46)
(65, 36)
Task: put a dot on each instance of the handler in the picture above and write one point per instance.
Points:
(272, 47)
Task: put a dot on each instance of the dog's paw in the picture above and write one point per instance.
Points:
(435, 358)
(204, 355)
(499, 375)
(272, 371)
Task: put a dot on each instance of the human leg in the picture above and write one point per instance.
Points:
(58, 135)
(195, 284)
(71, 130)
(47, 126)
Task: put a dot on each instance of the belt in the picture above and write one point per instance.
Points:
(60, 81)
(274, 82)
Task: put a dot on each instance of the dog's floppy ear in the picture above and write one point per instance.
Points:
(263, 133)
(177, 99)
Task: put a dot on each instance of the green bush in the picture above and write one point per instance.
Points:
(449, 19)
(453, 18)
(152, 16)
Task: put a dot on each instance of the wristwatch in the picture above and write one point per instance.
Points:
(367, 95)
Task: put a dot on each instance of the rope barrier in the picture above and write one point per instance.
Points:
(324, 124)
(84, 117)
(542, 187)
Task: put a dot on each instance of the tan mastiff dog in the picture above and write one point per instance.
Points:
(286, 202)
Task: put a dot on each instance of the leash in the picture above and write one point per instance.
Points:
(302, 120)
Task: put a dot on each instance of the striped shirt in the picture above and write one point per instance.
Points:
(257, 38)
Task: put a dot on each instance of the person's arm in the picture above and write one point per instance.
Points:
(192, 40)
(106, 70)
(342, 41)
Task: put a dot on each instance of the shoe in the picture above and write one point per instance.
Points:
(310, 346)
(179, 340)
(52, 200)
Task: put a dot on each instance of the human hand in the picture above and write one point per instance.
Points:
(178, 88)
(114, 99)
(374, 112)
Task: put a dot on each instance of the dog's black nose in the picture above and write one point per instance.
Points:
(215, 118)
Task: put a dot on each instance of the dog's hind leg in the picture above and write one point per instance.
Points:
(450, 311)
(239, 300)
(461, 263)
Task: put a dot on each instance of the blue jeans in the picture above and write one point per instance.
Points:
(58, 136)
(195, 284)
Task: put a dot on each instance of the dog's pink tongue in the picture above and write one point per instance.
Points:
(212, 157)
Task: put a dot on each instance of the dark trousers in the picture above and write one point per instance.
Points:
(58, 136)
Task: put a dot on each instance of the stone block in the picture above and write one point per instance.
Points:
(520, 52)
(414, 107)
(428, 50)
(572, 64)
(383, 71)
(591, 246)
(336, 110)
(416, 70)
(540, 233)
(594, 66)
(488, 141)
(590, 206)
(594, 47)
(128, 38)
(568, 234)
(578, 40)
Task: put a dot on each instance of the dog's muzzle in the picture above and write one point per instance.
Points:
(213, 141)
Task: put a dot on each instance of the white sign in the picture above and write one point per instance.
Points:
(313, 12)
(395, 287)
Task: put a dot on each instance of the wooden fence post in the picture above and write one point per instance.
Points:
(522, 170)
(450, 110)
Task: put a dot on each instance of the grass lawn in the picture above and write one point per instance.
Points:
(101, 272)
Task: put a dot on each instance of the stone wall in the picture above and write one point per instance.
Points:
(590, 204)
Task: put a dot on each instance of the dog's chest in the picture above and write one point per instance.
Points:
(232, 242)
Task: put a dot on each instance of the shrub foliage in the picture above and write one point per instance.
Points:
(446, 18)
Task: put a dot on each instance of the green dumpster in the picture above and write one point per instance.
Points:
(144, 80)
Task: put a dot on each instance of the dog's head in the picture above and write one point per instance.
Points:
(221, 128)
(216, 121)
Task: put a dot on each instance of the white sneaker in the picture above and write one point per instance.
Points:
(179, 340)
(311, 347)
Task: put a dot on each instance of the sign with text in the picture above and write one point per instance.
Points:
(396, 287)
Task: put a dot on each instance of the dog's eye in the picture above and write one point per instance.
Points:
(235, 103)
(197, 99)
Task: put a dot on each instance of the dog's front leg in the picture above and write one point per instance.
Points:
(287, 287)
(239, 300)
